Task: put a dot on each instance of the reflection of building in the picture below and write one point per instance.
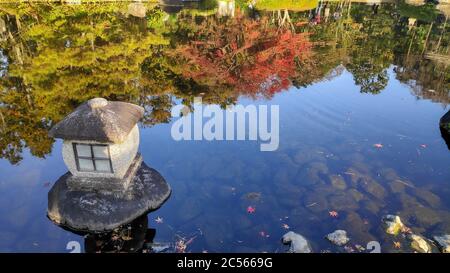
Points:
(107, 185)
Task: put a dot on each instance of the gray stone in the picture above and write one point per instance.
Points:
(338, 237)
(393, 224)
(443, 243)
(298, 243)
(104, 211)
(99, 120)
(419, 244)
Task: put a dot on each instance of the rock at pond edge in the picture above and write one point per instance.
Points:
(298, 243)
(338, 237)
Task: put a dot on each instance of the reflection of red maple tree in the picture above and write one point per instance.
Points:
(252, 57)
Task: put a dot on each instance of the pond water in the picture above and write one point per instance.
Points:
(360, 89)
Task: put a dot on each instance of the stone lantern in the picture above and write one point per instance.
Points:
(108, 184)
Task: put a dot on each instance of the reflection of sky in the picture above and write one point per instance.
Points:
(331, 116)
(3, 63)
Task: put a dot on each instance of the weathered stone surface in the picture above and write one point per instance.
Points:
(443, 243)
(393, 224)
(99, 120)
(102, 211)
(298, 243)
(419, 244)
(338, 237)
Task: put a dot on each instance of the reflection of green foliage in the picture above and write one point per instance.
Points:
(53, 57)
(372, 50)
(294, 5)
(62, 56)
(426, 13)
(207, 4)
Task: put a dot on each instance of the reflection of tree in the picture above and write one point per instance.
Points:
(59, 56)
(372, 49)
(251, 57)
(53, 57)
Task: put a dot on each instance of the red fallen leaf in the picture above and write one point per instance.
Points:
(333, 213)
(46, 184)
(159, 220)
(251, 209)
(378, 145)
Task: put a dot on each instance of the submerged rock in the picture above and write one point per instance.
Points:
(426, 196)
(298, 243)
(337, 182)
(252, 196)
(443, 243)
(356, 195)
(393, 224)
(338, 237)
(419, 244)
(342, 201)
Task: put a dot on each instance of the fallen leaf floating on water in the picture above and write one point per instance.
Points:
(397, 245)
(251, 209)
(423, 145)
(378, 145)
(159, 220)
(333, 213)
(264, 234)
(285, 226)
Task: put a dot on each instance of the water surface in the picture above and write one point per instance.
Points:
(363, 75)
